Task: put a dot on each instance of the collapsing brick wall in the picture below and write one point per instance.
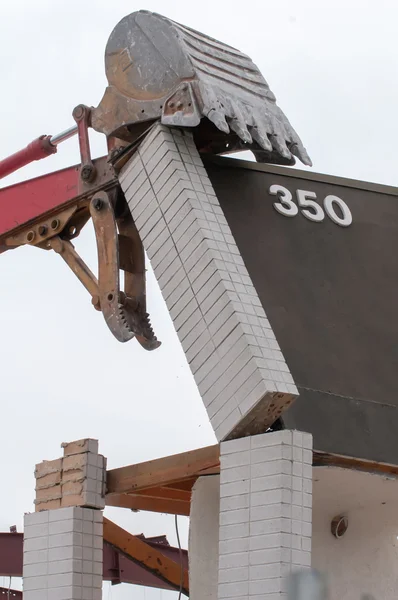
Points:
(77, 479)
(63, 539)
(240, 371)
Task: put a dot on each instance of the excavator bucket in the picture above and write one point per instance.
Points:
(160, 70)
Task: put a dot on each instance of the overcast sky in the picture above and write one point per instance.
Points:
(333, 66)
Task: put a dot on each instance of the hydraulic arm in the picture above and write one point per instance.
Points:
(157, 70)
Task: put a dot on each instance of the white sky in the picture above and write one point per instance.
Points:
(333, 66)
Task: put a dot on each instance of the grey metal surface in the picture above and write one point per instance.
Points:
(160, 70)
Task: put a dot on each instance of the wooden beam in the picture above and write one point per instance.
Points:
(142, 502)
(166, 493)
(162, 471)
(146, 556)
(185, 485)
(164, 484)
(325, 459)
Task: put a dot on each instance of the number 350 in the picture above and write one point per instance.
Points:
(309, 208)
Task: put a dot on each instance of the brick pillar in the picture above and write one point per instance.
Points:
(265, 514)
(63, 539)
(63, 555)
(231, 349)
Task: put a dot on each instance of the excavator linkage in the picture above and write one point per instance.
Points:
(157, 70)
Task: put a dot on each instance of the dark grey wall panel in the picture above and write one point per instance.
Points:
(331, 295)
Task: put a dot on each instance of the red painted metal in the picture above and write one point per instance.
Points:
(11, 554)
(9, 594)
(36, 150)
(117, 567)
(22, 202)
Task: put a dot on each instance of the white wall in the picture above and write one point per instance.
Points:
(365, 559)
(203, 538)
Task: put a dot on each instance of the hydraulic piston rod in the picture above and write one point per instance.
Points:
(40, 148)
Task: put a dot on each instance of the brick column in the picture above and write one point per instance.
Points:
(265, 514)
(63, 539)
(63, 555)
(240, 371)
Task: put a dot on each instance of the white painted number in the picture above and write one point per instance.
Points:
(310, 209)
(316, 213)
(346, 219)
(285, 206)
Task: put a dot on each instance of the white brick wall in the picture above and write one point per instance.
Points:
(265, 514)
(62, 557)
(226, 336)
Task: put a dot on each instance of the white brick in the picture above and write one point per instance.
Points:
(269, 555)
(235, 446)
(235, 459)
(271, 571)
(233, 517)
(37, 582)
(37, 543)
(236, 559)
(64, 579)
(233, 590)
(271, 497)
(228, 424)
(272, 482)
(36, 518)
(155, 233)
(238, 473)
(35, 569)
(259, 392)
(234, 574)
(150, 223)
(142, 199)
(65, 566)
(200, 350)
(190, 324)
(186, 312)
(230, 503)
(35, 595)
(234, 489)
(65, 593)
(170, 272)
(61, 514)
(244, 370)
(274, 467)
(34, 531)
(220, 372)
(266, 587)
(66, 526)
(230, 406)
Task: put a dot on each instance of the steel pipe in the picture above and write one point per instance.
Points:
(58, 138)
